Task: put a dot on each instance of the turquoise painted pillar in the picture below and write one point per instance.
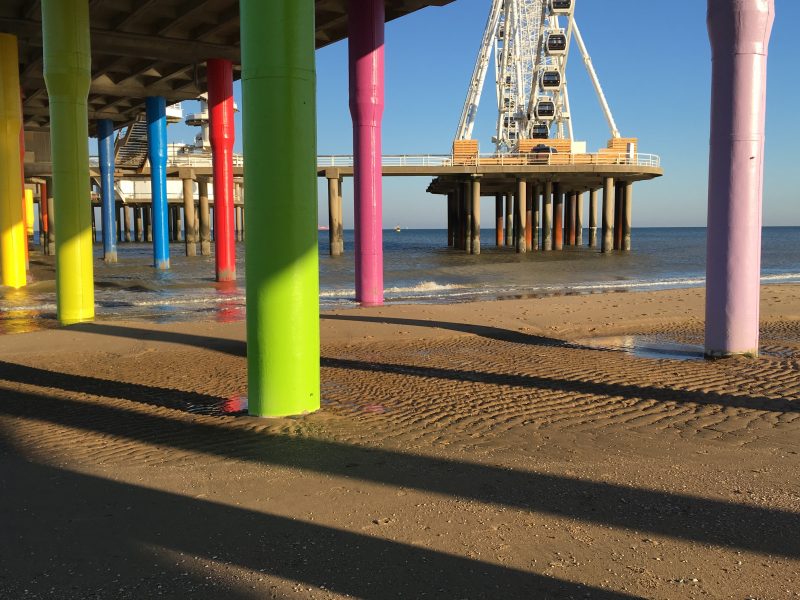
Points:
(105, 147)
(67, 73)
(278, 89)
(156, 108)
(365, 47)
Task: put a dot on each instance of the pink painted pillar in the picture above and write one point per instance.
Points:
(366, 24)
(220, 111)
(739, 31)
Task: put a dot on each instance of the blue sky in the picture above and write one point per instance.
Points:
(653, 59)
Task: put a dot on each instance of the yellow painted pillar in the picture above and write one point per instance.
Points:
(67, 72)
(12, 226)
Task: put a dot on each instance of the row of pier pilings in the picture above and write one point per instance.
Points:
(189, 222)
(544, 216)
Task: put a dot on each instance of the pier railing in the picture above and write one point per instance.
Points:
(203, 159)
(542, 158)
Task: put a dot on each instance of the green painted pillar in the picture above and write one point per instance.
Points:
(278, 82)
(67, 66)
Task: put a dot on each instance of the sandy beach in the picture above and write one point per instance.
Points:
(477, 450)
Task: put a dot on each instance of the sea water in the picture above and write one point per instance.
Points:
(418, 268)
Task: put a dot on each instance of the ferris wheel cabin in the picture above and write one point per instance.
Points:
(560, 7)
(556, 43)
(551, 79)
(545, 109)
(540, 131)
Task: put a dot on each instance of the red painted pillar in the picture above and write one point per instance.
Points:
(365, 46)
(220, 111)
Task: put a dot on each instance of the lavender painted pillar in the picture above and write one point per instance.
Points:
(739, 31)
(366, 24)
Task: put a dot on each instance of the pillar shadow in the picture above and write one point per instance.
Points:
(232, 347)
(629, 392)
(485, 331)
(100, 537)
(707, 521)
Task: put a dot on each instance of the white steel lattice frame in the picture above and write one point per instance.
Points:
(516, 31)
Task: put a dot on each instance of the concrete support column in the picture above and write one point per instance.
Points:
(476, 216)
(157, 152)
(120, 214)
(618, 193)
(467, 195)
(521, 204)
(204, 217)
(140, 234)
(173, 234)
(190, 235)
(278, 77)
(450, 220)
(13, 239)
(570, 207)
(459, 217)
(529, 222)
(128, 222)
(509, 220)
(536, 216)
(627, 213)
(547, 217)
(608, 215)
(579, 219)
(51, 223)
(221, 132)
(335, 229)
(44, 189)
(148, 223)
(105, 148)
(593, 219)
(365, 47)
(498, 219)
(739, 33)
(67, 73)
(558, 220)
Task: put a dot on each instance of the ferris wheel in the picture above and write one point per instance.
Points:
(530, 40)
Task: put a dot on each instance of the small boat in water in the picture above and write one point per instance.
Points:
(397, 228)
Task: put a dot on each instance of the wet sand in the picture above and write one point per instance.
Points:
(483, 450)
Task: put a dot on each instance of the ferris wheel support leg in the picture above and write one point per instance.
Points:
(739, 33)
(366, 37)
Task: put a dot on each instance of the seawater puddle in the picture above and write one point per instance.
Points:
(644, 346)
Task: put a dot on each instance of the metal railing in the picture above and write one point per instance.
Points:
(203, 159)
(533, 159)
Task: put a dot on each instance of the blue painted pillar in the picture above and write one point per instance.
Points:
(105, 146)
(157, 153)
